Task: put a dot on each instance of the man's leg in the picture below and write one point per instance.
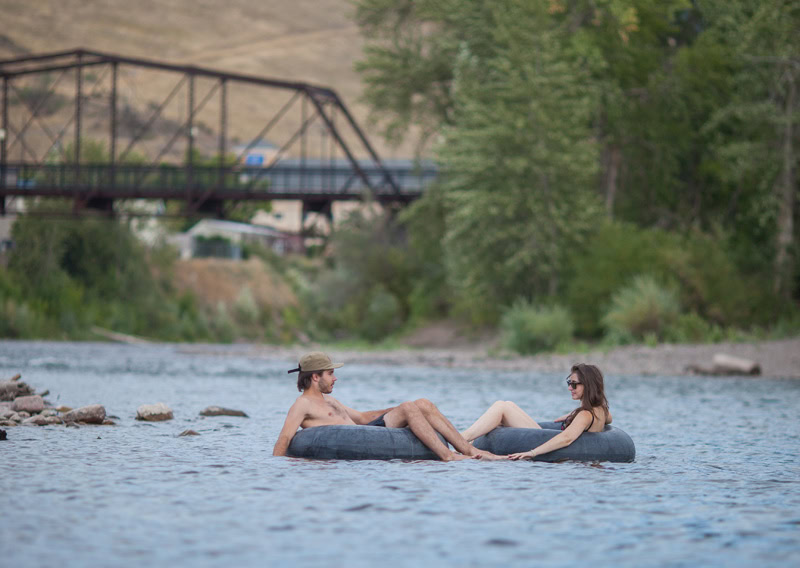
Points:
(441, 424)
(409, 414)
(501, 413)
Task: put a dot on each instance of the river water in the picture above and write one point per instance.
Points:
(716, 481)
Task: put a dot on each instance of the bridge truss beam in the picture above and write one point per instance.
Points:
(36, 124)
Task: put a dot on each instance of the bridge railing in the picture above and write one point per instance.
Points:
(285, 180)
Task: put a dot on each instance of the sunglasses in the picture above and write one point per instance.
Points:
(573, 384)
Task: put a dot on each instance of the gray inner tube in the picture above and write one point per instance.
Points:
(359, 443)
(612, 444)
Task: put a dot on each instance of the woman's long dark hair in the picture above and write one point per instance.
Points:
(593, 391)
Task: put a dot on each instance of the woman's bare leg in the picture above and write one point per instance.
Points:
(501, 413)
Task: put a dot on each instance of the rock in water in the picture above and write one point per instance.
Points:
(3, 435)
(9, 390)
(39, 420)
(154, 412)
(219, 411)
(92, 414)
(188, 433)
(32, 404)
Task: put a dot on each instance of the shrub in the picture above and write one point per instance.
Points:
(702, 269)
(643, 310)
(529, 329)
(245, 307)
(691, 328)
(616, 253)
(382, 315)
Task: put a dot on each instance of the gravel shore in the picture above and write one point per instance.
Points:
(778, 359)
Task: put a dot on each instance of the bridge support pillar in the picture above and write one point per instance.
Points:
(103, 204)
(322, 207)
(215, 207)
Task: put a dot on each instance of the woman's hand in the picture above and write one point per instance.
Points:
(561, 418)
(522, 456)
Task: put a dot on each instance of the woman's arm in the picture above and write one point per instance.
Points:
(562, 440)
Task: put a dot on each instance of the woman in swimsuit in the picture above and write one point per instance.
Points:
(585, 383)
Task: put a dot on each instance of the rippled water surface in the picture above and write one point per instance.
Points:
(716, 480)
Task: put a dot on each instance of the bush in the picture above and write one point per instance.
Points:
(382, 315)
(616, 253)
(644, 310)
(528, 329)
(700, 267)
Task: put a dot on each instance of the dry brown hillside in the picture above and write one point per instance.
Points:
(215, 281)
(305, 40)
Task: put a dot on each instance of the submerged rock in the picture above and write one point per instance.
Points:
(154, 412)
(188, 433)
(220, 411)
(31, 404)
(92, 414)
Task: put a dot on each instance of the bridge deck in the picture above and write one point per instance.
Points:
(281, 181)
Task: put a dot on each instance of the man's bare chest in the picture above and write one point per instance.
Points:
(330, 411)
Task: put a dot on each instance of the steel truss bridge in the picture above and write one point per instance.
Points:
(59, 108)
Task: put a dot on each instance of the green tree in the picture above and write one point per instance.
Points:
(519, 162)
(755, 132)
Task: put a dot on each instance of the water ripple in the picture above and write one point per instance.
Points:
(705, 489)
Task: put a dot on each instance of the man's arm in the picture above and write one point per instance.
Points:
(294, 418)
(366, 417)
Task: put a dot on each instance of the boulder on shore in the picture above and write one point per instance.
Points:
(220, 411)
(92, 414)
(722, 364)
(154, 412)
(32, 404)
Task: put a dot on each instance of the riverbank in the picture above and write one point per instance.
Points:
(777, 358)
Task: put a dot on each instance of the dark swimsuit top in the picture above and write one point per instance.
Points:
(564, 424)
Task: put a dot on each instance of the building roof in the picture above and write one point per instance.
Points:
(234, 227)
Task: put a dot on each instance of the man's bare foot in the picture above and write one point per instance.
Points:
(488, 456)
(478, 454)
(457, 457)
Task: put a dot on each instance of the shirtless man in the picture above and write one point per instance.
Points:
(315, 407)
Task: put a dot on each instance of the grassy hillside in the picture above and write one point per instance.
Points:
(307, 40)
